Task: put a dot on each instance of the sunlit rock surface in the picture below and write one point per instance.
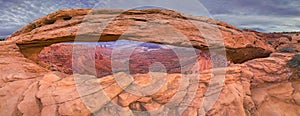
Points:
(37, 75)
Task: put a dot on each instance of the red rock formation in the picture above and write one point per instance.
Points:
(58, 57)
(257, 86)
(280, 40)
(201, 32)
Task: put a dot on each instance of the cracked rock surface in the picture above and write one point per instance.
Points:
(261, 83)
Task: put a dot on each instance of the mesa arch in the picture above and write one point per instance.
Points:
(243, 76)
(64, 26)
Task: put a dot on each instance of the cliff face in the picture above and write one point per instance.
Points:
(281, 41)
(260, 79)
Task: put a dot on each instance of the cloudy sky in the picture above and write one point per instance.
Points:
(261, 15)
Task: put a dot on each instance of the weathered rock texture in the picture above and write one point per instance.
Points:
(150, 25)
(256, 86)
(281, 42)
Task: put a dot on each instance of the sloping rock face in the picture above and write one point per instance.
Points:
(255, 86)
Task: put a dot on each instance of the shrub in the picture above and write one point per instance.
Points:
(288, 49)
(298, 41)
(269, 42)
(295, 61)
(2, 39)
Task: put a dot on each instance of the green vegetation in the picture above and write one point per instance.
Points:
(269, 42)
(295, 61)
(2, 39)
(298, 41)
(288, 49)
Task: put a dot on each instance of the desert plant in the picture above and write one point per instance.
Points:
(287, 49)
(269, 42)
(295, 61)
(298, 41)
(2, 39)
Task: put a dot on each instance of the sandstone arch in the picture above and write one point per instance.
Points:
(63, 25)
(36, 84)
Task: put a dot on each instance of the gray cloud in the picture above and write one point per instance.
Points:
(262, 23)
(251, 7)
(266, 15)
(17, 13)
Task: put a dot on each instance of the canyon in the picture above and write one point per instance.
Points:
(68, 63)
(58, 57)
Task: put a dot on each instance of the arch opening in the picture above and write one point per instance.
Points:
(58, 57)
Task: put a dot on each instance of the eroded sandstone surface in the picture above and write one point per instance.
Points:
(149, 25)
(260, 80)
